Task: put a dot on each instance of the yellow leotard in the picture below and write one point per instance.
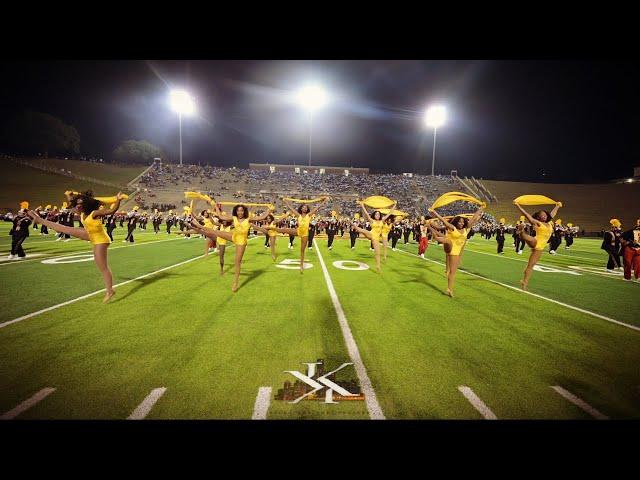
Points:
(271, 229)
(458, 239)
(386, 228)
(376, 229)
(220, 240)
(543, 233)
(240, 231)
(303, 225)
(95, 229)
(208, 223)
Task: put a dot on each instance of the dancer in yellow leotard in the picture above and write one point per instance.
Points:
(242, 221)
(93, 231)
(377, 222)
(453, 241)
(304, 215)
(271, 231)
(542, 222)
(223, 226)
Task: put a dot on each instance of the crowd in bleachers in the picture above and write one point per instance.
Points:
(414, 194)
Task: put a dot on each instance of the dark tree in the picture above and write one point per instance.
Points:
(136, 151)
(39, 133)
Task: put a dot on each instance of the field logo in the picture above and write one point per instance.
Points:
(310, 385)
(545, 269)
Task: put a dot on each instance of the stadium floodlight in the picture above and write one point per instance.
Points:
(435, 117)
(183, 104)
(312, 98)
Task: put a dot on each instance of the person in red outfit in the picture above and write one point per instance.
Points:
(630, 241)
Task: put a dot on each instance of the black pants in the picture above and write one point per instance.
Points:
(341, 232)
(353, 236)
(569, 241)
(500, 244)
(394, 240)
(16, 245)
(291, 238)
(129, 237)
(330, 241)
(169, 225)
(266, 240)
(554, 243)
(614, 258)
(312, 232)
(406, 236)
(44, 230)
(110, 229)
(519, 244)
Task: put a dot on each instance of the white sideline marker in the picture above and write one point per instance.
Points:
(478, 404)
(82, 297)
(261, 407)
(147, 404)
(27, 404)
(566, 305)
(580, 403)
(375, 411)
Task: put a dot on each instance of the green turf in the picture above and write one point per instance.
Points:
(183, 329)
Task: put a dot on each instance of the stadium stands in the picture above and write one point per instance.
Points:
(588, 206)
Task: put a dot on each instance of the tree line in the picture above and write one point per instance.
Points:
(37, 133)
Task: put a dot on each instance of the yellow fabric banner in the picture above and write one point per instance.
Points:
(377, 201)
(535, 200)
(451, 197)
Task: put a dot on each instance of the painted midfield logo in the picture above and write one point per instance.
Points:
(308, 386)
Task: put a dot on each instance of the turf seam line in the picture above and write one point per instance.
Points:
(147, 404)
(263, 401)
(375, 411)
(579, 403)
(80, 252)
(28, 403)
(82, 297)
(477, 403)
(566, 305)
(605, 275)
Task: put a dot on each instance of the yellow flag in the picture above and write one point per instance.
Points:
(451, 197)
(378, 201)
(535, 200)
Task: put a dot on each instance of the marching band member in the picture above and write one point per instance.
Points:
(611, 245)
(19, 232)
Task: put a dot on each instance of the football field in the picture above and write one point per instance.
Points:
(176, 343)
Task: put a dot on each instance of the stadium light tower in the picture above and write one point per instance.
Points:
(182, 103)
(434, 117)
(311, 98)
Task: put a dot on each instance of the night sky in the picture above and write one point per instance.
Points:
(555, 121)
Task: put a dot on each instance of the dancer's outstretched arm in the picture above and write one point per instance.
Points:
(391, 211)
(292, 211)
(313, 212)
(532, 220)
(476, 217)
(446, 224)
(555, 209)
(109, 211)
(366, 214)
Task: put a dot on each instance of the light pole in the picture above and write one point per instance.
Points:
(311, 98)
(434, 117)
(182, 103)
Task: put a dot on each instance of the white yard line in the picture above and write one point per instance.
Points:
(82, 297)
(566, 305)
(79, 252)
(603, 274)
(27, 404)
(477, 403)
(375, 411)
(261, 407)
(147, 404)
(580, 403)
